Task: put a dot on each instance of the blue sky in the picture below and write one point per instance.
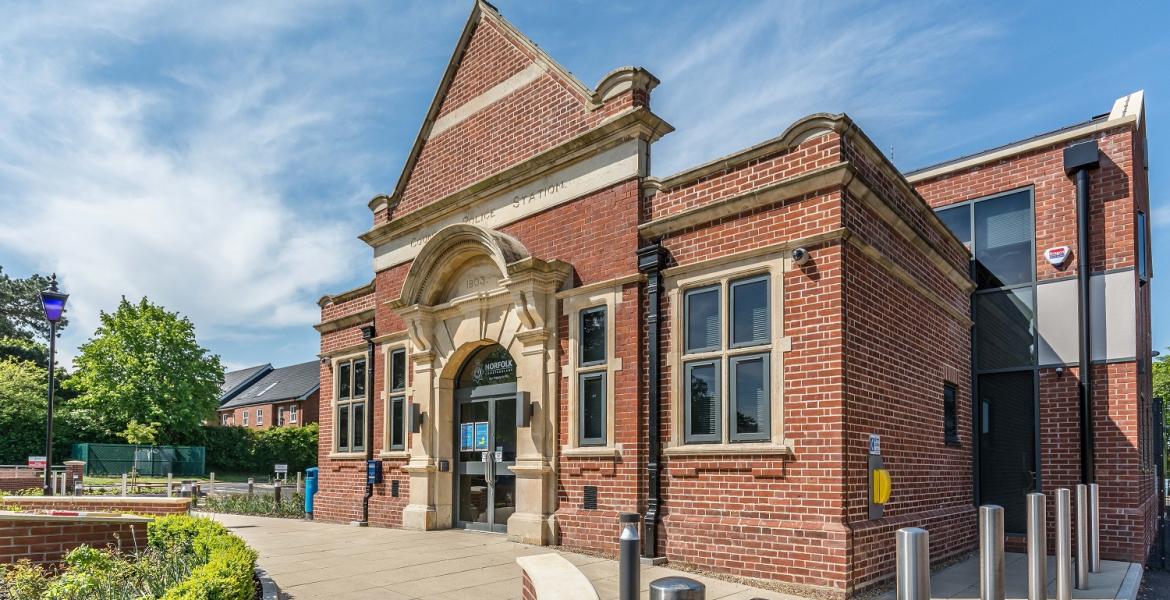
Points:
(218, 157)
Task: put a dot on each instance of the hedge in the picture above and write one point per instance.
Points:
(228, 563)
(244, 450)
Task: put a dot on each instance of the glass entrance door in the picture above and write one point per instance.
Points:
(485, 438)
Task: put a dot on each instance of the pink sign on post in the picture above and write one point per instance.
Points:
(36, 462)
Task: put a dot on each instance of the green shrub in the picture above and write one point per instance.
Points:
(25, 581)
(292, 505)
(243, 450)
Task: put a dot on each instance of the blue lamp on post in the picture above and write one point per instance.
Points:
(53, 303)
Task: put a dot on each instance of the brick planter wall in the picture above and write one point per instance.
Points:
(46, 538)
(141, 506)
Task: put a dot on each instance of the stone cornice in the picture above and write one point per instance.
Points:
(346, 321)
(347, 295)
(634, 123)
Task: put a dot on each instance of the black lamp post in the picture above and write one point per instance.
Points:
(53, 302)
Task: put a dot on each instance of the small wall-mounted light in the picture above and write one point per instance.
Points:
(416, 418)
(800, 256)
(1060, 371)
(524, 410)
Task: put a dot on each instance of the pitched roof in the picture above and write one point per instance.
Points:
(235, 381)
(295, 382)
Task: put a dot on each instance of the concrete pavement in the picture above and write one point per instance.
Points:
(319, 560)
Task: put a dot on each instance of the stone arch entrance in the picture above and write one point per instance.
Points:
(471, 288)
(485, 436)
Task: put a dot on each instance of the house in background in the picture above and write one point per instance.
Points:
(262, 396)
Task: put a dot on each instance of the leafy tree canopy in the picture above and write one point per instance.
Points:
(143, 364)
(24, 349)
(22, 410)
(21, 315)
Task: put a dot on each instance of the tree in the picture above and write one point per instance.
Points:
(20, 308)
(144, 364)
(140, 434)
(22, 410)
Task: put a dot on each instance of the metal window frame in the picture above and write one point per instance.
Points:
(951, 404)
(354, 447)
(1142, 250)
(601, 308)
(245, 417)
(347, 404)
(259, 416)
(581, 379)
(398, 408)
(687, 295)
(688, 368)
(765, 433)
(731, 288)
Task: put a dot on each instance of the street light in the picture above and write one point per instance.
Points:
(53, 302)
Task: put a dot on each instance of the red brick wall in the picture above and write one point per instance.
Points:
(1117, 189)
(140, 506)
(14, 483)
(50, 539)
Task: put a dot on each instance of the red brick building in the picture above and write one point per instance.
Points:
(261, 397)
(553, 336)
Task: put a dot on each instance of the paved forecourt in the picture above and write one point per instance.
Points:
(310, 560)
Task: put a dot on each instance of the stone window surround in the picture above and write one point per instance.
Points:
(722, 271)
(391, 343)
(334, 453)
(573, 302)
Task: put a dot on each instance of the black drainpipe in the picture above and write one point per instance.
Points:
(651, 259)
(1078, 160)
(368, 335)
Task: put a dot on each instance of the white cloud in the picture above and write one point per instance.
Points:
(736, 78)
(202, 177)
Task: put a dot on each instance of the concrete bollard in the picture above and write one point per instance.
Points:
(1094, 528)
(1064, 578)
(124, 488)
(170, 482)
(913, 561)
(629, 567)
(991, 552)
(1037, 547)
(251, 482)
(1082, 564)
(211, 485)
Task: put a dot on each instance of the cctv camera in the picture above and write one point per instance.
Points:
(800, 256)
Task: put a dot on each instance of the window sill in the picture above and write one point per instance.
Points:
(729, 449)
(347, 456)
(395, 454)
(591, 451)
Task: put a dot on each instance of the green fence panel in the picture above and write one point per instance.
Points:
(155, 461)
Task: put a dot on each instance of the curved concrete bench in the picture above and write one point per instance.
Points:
(551, 577)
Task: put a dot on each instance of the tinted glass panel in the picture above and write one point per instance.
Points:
(749, 312)
(593, 336)
(488, 366)
(344, 380)
(1003, 329)
(1143, 247)
(342, 427)
(592, 409)
(359, 378)
(1007, 457)
(397, 423)
(958, 220)
(702, 315)
(398, 370)
(1003, 240)
(950, 416)
(359, 425)
(750, 392)
(703, 402)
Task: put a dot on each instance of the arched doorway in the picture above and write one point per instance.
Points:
(485, 438)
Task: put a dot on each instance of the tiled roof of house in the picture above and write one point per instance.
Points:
(235, 382)
(286, 383)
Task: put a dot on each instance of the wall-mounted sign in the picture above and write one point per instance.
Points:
(466, 437)
(1058, 256)
(875, 444)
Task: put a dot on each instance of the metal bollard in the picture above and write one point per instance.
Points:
(276, 492)
(1064, 578)
(1082, 579)
(913, 564)
(170, 490)
(211, 484)
(677, 588)
(991, 552)
(1037, 547)
(123, 485)
(250, 484)
(1094, 528)
(629, 569)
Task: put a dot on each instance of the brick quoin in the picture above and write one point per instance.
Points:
(874, 324)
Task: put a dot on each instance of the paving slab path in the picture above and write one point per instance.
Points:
(310, 560)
